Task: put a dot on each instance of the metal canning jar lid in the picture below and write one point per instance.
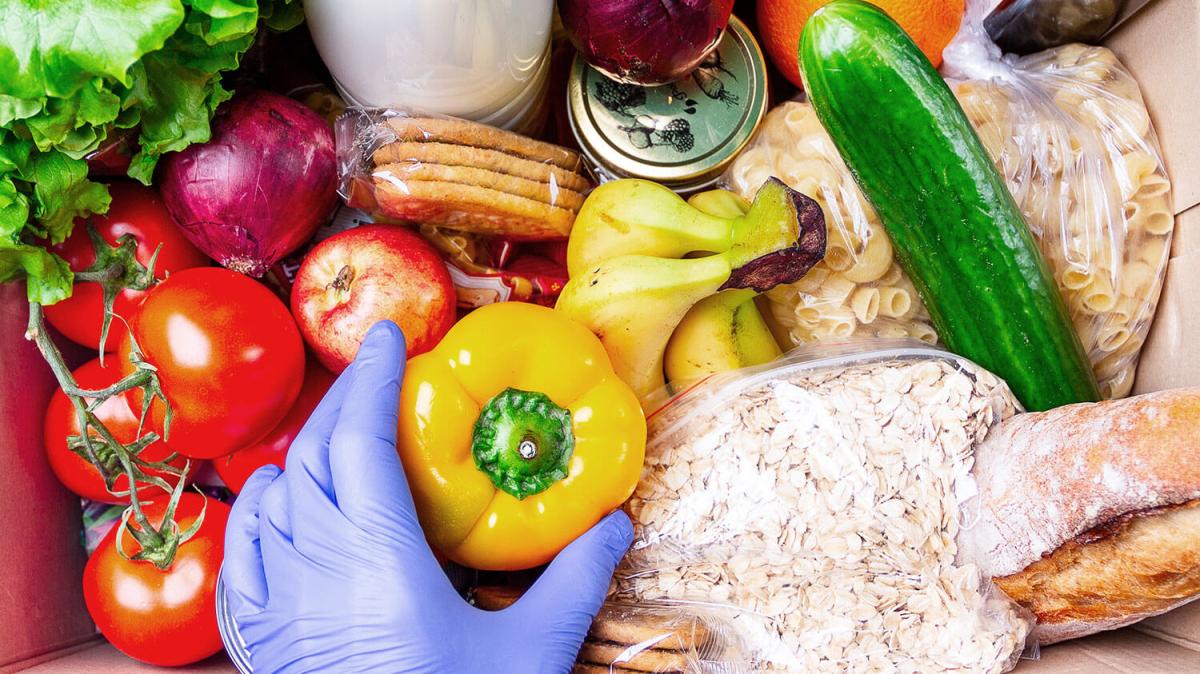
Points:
(682, 134)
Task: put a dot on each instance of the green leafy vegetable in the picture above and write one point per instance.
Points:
(73, 70)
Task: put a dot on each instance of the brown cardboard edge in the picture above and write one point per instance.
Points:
(1132, 7)
(56, 653)
(1124, 651)
(1159, 44)
(101, 658)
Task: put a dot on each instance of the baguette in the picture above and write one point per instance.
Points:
(1088, 513)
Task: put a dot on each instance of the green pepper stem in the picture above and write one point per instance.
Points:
(523, 442)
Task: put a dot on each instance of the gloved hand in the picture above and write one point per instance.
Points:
(327, 570)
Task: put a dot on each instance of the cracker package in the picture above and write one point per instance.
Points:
(484, 269)
(656, 639)
(1068, 130)
(460, 175)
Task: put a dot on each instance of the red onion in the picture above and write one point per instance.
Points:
(645, 41)
(260, 187)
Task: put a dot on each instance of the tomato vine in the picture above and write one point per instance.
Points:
(116, 268)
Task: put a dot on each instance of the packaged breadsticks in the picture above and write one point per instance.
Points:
(1070, 133)
(456, 174)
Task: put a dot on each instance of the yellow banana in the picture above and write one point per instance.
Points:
(721, 332)
(634, 302)
(638, 217)
(631, 284)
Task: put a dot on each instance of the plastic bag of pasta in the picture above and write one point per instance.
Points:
(1070, 133)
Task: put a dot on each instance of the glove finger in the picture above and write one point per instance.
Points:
(275, 536)
(563, 602)
(368, 479)
(242, 570)
(308, 476)
(310, 449)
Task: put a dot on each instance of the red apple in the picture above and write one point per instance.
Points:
(361, 276)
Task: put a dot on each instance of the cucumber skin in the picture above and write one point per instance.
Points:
(955, 227)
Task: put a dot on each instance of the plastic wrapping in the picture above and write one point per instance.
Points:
(457, 174)
(662, 639)
(1025, 26)
(1072, 137)
(816, 508)
(483, 269)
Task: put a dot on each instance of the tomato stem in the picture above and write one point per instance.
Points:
(115, 269)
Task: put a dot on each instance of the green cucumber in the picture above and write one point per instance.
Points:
(955, 228)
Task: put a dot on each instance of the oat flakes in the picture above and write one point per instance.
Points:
(822, 502)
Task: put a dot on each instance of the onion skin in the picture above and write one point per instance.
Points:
(645, 42)
(260, 188)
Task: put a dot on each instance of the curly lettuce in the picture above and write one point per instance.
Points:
(72, 71)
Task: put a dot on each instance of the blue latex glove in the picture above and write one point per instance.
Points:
(327, 570)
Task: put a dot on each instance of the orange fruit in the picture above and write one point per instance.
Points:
(930, 23)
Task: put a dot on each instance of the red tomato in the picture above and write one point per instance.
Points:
(77, 473)
(135, 210)
(165, 618)
(236, 468)
(229, 358)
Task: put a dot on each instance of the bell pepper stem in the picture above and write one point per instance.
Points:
(523, 442)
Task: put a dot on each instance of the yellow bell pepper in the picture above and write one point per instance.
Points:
(516, 436)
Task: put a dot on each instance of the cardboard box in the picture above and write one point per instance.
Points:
(45, 628)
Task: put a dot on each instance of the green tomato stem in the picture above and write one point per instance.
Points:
(117, 268)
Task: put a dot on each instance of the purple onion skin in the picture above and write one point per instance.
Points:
(260, 188)
(645, 42)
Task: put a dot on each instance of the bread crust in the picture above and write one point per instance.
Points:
(1087, 513)
(1047, 477)
(1144, 564)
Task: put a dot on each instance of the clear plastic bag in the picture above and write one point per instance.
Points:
(452, 173)
(1026, 26)
(1068, 130)
(663, 639)
(815, 506)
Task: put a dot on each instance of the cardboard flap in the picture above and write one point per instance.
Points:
(1120, 652)
(1180, 627)
(1161, 46)
(1170, 358)
(41, 552)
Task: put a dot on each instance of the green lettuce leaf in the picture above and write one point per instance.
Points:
(54, 47)
(48, 278)
(74, 70)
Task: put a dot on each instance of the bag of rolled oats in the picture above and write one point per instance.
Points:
(819, 507)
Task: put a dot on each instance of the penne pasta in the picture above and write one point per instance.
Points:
(923, 332)
(875, 259)
(1082, 165)
(1112, 338)
(1099, 296)
(865, 304)
(894, 302)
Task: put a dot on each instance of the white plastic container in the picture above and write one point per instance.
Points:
(484, 60)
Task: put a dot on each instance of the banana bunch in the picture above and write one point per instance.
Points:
(667, 283)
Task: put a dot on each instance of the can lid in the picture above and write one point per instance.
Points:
(680, 134)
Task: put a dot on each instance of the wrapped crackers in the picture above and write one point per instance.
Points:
(459, 175)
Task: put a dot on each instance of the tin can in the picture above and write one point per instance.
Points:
(682, 134)
(235, 645)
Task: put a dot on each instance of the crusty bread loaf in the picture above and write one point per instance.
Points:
(1087, 513)
(1147, 564)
